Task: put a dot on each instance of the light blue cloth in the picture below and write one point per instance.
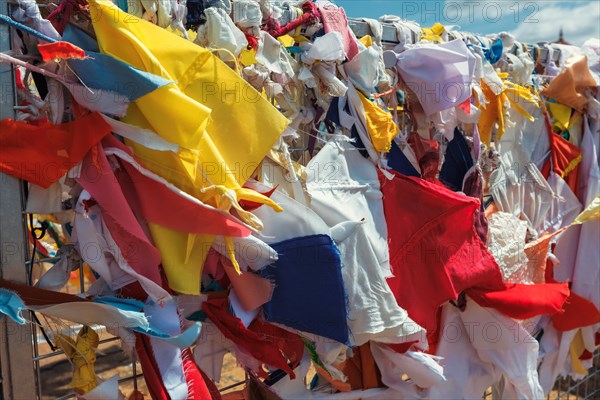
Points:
(79, 38)
(182, 341)
(101, 71)
(12, 305)
(9, 21)
(105, 72)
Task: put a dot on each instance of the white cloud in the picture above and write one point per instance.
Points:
(494, 15)
(530, 21)
(579, 23)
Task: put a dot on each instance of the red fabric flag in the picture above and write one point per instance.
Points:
(289, 343)
(428, 155)
(564, 159)
(164, 204)
(99, 180)
(435, 252)
(579, 312)
(42, 154)
(263, 348)
(524, 301)
(62, 50)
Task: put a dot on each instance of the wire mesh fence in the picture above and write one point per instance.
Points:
(565, 388)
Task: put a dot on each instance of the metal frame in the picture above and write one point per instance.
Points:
(18, 378)
(389, 37)
(21, 373)
(19, 352)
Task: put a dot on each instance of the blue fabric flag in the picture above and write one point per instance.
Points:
(457, 163)
(309, 292)
(12, 305)
(494, 53)
(398, 162)
(105, 72)
(182, 341)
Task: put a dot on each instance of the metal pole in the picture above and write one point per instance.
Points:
(18, 377)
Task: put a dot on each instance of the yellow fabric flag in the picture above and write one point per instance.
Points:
(576, 350)
(286, 40)
(82, 354)
(248, 57)
(561, 114)
(366, 40)
(205, 87)
(494, 110)
(590, 213)
(223, 124)
(433, 34)
(380, 124)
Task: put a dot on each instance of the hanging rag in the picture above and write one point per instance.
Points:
(310, 268)
(43, 154)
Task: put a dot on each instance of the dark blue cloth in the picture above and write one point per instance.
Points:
(398, 162)
(195, 14)
(333, 113)
(457, 162)
(309, 291)
(494, 53)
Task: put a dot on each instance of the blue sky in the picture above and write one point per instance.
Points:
(530, 21)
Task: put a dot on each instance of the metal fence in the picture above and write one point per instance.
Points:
(587, 388)
(26, 358)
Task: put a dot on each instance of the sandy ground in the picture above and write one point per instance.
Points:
(56, 375)
(56, 372)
